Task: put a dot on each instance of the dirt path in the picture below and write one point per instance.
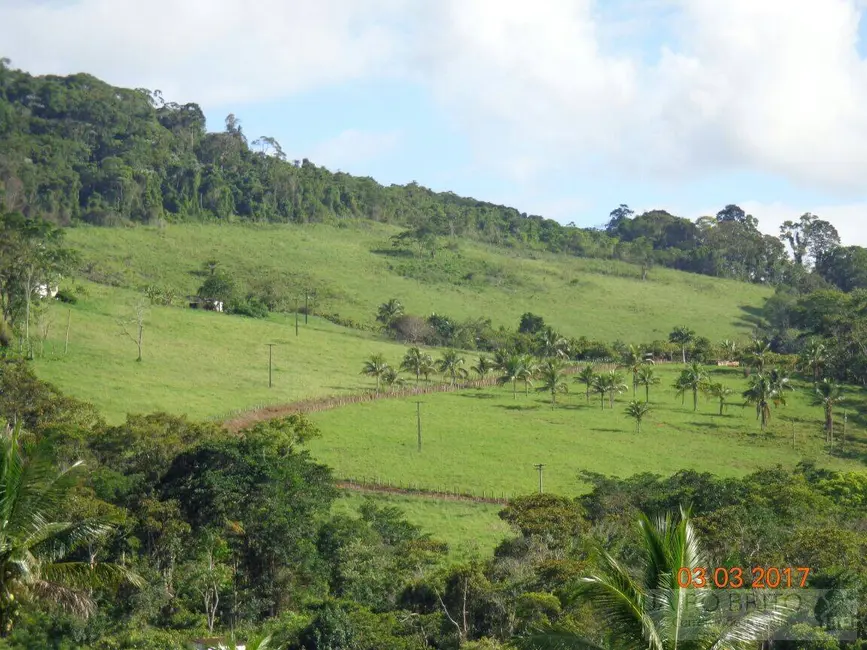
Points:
(425, 494)
(236, 422)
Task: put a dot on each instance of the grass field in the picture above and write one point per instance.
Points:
(487, 440)
(470, 529)
(197, 362)
(353, 270)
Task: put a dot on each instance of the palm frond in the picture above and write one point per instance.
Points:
(83, 575)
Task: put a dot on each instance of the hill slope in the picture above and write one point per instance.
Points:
(353, 269)
(206, 364)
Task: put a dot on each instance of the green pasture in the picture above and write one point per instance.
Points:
(353, 269)
(470, 529)
(487, 441)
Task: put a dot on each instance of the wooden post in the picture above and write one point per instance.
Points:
(270, 347)
(418, 419)
(66, 341)
(539, 467)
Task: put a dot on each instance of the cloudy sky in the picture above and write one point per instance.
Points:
(564, 108)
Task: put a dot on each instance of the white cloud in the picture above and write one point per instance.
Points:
(353, 147)
(209, 51)
(850, 220)
(776, 86)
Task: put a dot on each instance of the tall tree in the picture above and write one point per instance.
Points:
(692, 379)
(683, 336)
(33, 257)
(510, 371)
(814, 357)
(828, 395)
(633, 359)
(388, 311)
(637, 411)
(586, 376)
(552, 380)
(764, 389)
(720, 392)
(483, 366)
(452, 364)
(375, 367)
(647, 378)
(809, 238)
(414, 361)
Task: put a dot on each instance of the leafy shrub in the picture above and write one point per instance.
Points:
(251, 306)
(64, 295)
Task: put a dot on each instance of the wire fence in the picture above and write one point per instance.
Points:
(378, 485)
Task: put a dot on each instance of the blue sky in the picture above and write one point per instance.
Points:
(564, 108)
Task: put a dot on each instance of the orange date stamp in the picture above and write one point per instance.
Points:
(757, 577)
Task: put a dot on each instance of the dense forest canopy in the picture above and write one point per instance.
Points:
(75, 149)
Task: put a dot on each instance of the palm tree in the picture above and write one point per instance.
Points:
(765, 388)
(692, 378)
(428, 367)
(551, 376)
(501, 357)
(528, 371)
(813, 358)
(414, 362)
(452, 364)
(511, 370)
(375, 367)
(388, 311)
(756, 354)
(600, 386)
(720, 392)
(551, 344)
(729, 349)
(647, 378)
(586, 376)
(683, 336)
(633, 359)
(392, 378)
(637, 410)
(653, 611)
(483, 367)
(35, 547)
(828, 395)
(614, 385)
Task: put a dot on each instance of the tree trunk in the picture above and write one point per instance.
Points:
(694, 399)
(66, 341)
(138, 342)
(514, 389)
(683, 352)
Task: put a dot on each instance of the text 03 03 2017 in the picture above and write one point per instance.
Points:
(757, 577)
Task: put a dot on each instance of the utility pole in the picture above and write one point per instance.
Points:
(418, 420)
(270, 347)
(845, 420)
(539, 467)
(306, 307)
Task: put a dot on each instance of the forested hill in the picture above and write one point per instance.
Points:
(77, 149)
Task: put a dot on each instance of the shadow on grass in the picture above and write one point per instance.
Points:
(608, 430)
(393, 252)
(518, 407)
(478, 395)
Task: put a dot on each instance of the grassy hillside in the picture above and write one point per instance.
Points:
(353, 269)
(196, 362)
(487, 440)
